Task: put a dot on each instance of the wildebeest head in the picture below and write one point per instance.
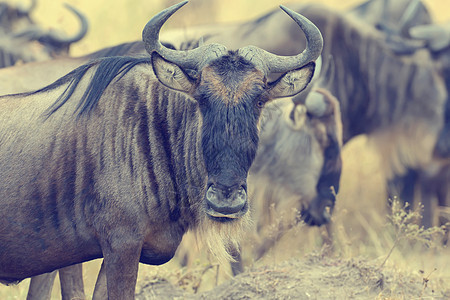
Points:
(325, 120)
(230, 86)
(395, 19)
(436, 36)
(14, 17)
(55, 43)
(390, 15)
(300, 157)
(28, 42)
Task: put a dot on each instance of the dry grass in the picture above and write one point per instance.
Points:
(360, 224)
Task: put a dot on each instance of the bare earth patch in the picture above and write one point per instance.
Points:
(313, 277)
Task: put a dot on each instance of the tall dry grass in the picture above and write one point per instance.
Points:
(361, 226)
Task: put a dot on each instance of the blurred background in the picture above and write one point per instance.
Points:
(115, 21)
(361, 206)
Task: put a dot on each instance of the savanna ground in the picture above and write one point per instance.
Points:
(373, 256)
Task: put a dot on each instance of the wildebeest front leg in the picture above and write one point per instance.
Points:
(237, 266)
(72, 282)
(121, 255)
(100, 290)
(41, 286)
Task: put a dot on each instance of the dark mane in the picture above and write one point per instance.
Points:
(106, 70)
(136, 47)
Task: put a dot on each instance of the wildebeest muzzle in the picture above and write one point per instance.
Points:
(319, 211)
(225, 203)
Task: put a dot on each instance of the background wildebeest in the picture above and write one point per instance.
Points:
(22, 40)
(435, 184)
(84, 216)
(401, 99)
(14, 18)
(431, 181)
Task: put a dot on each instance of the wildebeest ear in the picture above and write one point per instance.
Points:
(318, 104)
(297, 116)
(292, 82)
(437, 36)
(170, 74)
(321, 104)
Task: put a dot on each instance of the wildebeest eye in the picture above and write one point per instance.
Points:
(192, 73)
(260, 103)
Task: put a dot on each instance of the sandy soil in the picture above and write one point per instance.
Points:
(315, 276)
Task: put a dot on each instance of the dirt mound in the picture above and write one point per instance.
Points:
(314, 277)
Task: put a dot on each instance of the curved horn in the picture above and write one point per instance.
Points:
(436, 36)
(51, 38)
(300, 98)
(82, 32)
(408, 16)
(322, 80)
(271, 63)
(190, 59)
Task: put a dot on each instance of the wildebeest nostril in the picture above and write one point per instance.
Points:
(227, 200)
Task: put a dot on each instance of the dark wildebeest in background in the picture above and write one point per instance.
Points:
(421, 34)
(21, 40)
(406, 24)
(397, 99)
(435, 185)
(88, 173)
(15, 18)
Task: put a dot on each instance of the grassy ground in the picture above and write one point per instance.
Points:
(361, 231)
(361, 227)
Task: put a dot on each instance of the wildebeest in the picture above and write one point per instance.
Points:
(89, 173)
(420, 36)
(13, 18)
(32, 43)
(434, 183)
(36, 75)
(297, 168)
(300, 155)
(398, 100)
